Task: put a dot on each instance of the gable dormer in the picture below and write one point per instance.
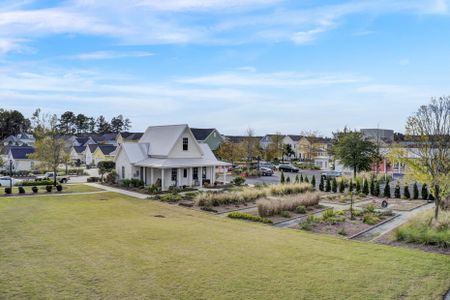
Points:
(186, 146)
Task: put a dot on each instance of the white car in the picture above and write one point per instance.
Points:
(6, 181)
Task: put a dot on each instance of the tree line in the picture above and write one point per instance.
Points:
(13, 122)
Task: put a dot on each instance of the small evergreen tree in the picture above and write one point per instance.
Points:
(321, 184)
(431, 197)
(406, 193)
(341, 186)
(365, 188)
(415, 191)
(282, 179)
(350, 186)
(372, 187)
(377, 189)
(301, 178)
(306, 179)
(297, 179)
(387, 190)
(334, 185)
(358, 186)
(424, 192)
(313, 181)
(328, 185)
(397, 191)
(288, 179)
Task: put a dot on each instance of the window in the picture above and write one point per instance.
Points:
(123, 172)
(185, 173)
(174, 174)
(185, 144)
(195, 175)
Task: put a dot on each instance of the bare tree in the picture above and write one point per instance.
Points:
(429, 130)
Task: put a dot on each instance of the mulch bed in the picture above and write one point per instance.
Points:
(388, 239)
(335, 198)
(396, 204)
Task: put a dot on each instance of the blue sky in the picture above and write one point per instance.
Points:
(272, 65)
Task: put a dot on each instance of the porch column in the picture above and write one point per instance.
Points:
(151, 176)
(190, 176)
(179, 176)
(224, 175)
(213, 174)
(145, 175)
(163, 187)
(200, 176)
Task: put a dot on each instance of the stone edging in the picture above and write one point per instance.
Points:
(372, 227)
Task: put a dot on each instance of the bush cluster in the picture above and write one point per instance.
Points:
(249, 217)
(37, 182)
(274, 206)
(170, 197)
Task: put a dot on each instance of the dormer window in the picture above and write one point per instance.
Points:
(185, 144)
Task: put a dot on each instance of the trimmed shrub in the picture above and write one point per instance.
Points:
(274, 206)
(313, 181)
(59, 188)
(301, 178)
(285, 214)
(134, 182)
(341, 186)
(170, 197)
(328, 185)
(21, 190)
(37, 182)
(153, 189)
(321, 184)
(358, 186)
(49, 188)
(387, 190)
(288, 180)
(350, 186)
(282, 179)
(93, 179)
(397, 193)
(415, 191)
(306, 179)
(406, 193)
(297, 179)
(431, 197)
(365, 189)
(35, 189)
(301, 209)
(377, 190)
(424, 192)
(249, 217)
(238, 181)
(8, 190)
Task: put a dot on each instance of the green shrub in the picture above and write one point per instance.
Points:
(387, 190)
(415, 191)
(153, 189)
(306, 179)
(249, 217)
(370, 208)
(134, 182)
(365, 189)
(35, 189)
(341, 186)
(282, 179)
(371, 219)
(48, 188)
(288, 179)
(377, 190)
(285, 214)
(340, 213)
(170, 197)
(93, 179)
(321, 184)
(358, 186)
(328, 185)
(301, 209)
(126, 183)
(350, 186)
(21, 190)
(59, 188)
(313, 181)
(342, 232)
(397, 193)
(8, 190)
(301, 178)
(37, 182)
(190, 195)
(328, 213)
(334, 185)
(238, 181)
(297, 179)
(406, 193)
(424, 192)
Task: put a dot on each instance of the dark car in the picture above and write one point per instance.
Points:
(265, 171)
(288, 168)
(331, 174)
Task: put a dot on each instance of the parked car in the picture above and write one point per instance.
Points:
(288, 168)
(265, 171)
(51, 176)
(267, 165)
(6, 181)
(331, 174)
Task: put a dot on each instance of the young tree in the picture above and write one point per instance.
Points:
(397, 193)
(321, 184)
(301, 178)
(358, 186)
(377, 189)
(365, 188)
(275, 148)
(230, 151)
(354, 150)
(424, 191)
(313, 181)
(415, 191)
(328, 185)
(341, 186)
(372, 187)
(350, 186)
(334, 185)
(12, 122)
(297, 179)
(49, 148)
(251, 146)
(387, 190)
(406, 192)
(105, 167)
(306, 179)
(282, 179)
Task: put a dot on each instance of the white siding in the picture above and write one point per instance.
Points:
(122, 161)
(193, 149)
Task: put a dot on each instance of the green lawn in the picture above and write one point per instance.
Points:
(67, 188)
(110, 246)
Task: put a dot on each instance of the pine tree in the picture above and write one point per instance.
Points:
(350, 186)
(288, 179)
(341, 186)
(358, 186)
(297, 179)
(372, 187)
(365, 189)
(306, 179)
(313, 181)
(424, 192)
(406, 193)
(415, 191)
(387, 190)
(328, 185)
(377, 189)
(397, 191)
(282, 179)
(431, 197)
(301, 178)
(321, 184)
(334, 185)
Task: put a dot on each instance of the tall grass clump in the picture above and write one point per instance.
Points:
(236, 197)
(289, 189)
(420, 230)
(273, 206)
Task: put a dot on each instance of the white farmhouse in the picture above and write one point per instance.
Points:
(169, 156)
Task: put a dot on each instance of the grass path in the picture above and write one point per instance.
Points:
(112, 246)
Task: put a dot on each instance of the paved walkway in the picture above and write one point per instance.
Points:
(119, 191)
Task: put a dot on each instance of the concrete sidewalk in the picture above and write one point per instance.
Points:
(119, 191)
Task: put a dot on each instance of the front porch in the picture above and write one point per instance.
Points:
(178, 177)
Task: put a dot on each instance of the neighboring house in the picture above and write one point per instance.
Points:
(210, 136)
(269, 139)
(376, 134)
(78, 154)
(19, 157)
(103, 152)
(237, 139)
(293, 140)
(106, 138)
(168, 156)
(21, 139)
(89, 152)
(316, 150)
(128, 137)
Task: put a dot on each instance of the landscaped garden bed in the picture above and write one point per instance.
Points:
(47, 189)
(395, 204)
(340, 222)
(335, 198)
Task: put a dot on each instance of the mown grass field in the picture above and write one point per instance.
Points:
(111, 246)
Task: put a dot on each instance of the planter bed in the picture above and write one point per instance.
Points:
(396, 204)
(337, 198)
(67, 189)
(223, 209)
(388, 239)
(276, 219)
(345, 227)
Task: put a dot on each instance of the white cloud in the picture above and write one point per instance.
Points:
(99, 55)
